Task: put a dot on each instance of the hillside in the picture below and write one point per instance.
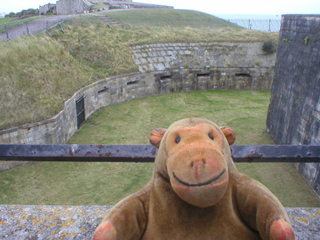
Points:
(39, 74)
(170, 18)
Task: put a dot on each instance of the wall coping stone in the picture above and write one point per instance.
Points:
(80, 222)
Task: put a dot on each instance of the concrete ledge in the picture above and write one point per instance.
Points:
(80, 222)
(50, 222)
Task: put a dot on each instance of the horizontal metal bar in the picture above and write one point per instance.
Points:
(78, 153)
(276, 153)
(147, 153)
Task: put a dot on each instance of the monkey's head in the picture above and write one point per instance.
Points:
(194, 155)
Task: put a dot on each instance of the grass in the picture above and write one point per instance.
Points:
(6, 20)
(131, 123)
(15, 22)
(170, 18)
(38, 74)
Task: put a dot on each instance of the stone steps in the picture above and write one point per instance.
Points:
(111, 21)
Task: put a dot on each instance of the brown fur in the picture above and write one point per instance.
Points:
(197, 193)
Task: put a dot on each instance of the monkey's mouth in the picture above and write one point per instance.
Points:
(199, 184)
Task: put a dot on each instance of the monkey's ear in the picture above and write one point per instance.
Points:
(229, 134)
(156, 136)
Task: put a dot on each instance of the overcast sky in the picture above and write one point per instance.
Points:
(269, 7)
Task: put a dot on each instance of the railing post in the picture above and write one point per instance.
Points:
(269, 25)
(47, 27)
(27, 28)
(61, 27)
(7, 32)
(28, 32)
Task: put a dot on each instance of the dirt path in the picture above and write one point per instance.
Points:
(34, 26)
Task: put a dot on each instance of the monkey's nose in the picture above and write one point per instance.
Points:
(201, 162)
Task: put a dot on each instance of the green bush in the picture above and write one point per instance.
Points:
(269, 47)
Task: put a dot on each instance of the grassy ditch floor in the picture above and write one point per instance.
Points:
(131, 123)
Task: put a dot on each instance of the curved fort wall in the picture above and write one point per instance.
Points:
(164, 68)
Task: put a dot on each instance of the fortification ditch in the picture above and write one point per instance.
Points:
(164, 68)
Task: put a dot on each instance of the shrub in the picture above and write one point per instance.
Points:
(269, 47)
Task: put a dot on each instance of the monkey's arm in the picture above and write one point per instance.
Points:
(261, 210)
(127, 220)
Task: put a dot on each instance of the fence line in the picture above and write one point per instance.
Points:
(270, 25)
(12, 30)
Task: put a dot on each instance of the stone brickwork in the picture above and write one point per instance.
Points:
(69, 7)
(158, 57)
(294, 112)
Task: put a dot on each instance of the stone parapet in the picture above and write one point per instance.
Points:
(80, 222)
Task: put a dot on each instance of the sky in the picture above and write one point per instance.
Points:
(252, 7)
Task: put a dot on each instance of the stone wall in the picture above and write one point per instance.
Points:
(123, 88)
(68, 7)
(294, 112)
(45, 8)
(158, 57)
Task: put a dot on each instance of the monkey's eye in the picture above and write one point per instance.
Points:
(211, 136)
(177, 139)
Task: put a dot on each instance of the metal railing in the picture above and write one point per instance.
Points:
(147, 153)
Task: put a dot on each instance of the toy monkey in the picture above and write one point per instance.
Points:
(196, 192)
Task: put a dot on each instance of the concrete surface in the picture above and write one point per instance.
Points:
(80, 222)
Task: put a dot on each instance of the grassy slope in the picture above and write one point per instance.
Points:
(38, 74)
(107, 183)
(6, 20)
(170, 18)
